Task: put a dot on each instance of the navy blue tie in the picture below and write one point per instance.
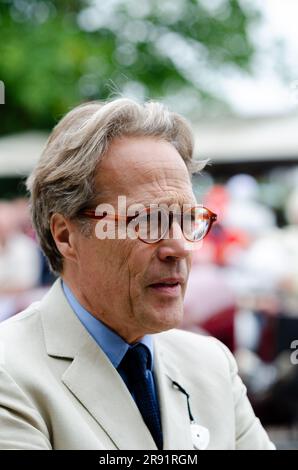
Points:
(140, 381)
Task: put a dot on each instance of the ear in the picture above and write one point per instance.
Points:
(63, 232)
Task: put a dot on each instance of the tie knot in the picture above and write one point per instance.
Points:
(137, 360)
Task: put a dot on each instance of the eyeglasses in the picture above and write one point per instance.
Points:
(153, 223)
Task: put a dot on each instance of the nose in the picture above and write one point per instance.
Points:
(174, 246)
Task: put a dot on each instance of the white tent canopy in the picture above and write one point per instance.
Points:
(20, 152)
(262, 139)
(230, 140)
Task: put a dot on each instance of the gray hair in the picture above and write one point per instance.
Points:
(63, 180)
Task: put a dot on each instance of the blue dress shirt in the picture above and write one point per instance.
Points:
(110, 342)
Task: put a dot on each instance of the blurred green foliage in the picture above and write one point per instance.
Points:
(55, 54)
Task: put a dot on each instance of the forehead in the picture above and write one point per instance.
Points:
(144, 169)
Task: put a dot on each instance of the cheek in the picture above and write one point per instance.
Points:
(139, 262)
(98, 260)
(118, 266)
(111, 261)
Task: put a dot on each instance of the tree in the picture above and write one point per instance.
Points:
(55, 54)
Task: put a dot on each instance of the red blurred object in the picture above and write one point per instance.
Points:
(217, 199)
(221, 325)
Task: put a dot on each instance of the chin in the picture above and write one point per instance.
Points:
(165, 320)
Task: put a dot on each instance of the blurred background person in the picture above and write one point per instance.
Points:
(19, 258)
(19, 261)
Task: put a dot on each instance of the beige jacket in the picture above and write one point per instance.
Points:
(58, 390)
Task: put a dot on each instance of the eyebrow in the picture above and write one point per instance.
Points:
(166, 200)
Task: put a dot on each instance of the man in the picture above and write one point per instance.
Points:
(97, 364)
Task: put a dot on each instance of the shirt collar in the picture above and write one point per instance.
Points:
(110, 342)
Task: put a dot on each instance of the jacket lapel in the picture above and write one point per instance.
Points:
(173, 403)
(97, 385)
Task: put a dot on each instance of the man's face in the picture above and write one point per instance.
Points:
(126, 283)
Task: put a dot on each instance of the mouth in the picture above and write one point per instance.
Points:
(169, 287)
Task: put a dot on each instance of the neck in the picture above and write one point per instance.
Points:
(128, 332)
